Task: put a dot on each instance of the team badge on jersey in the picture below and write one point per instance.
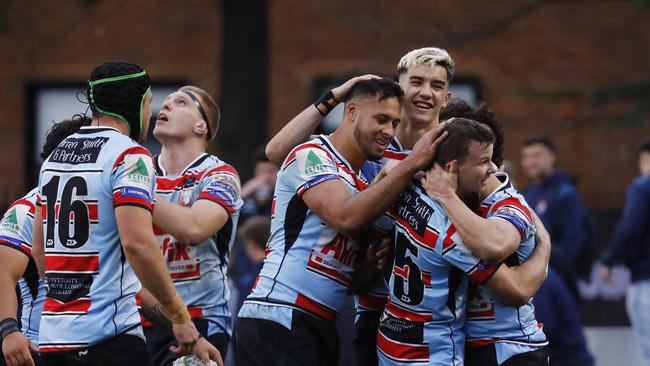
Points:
(10, 221)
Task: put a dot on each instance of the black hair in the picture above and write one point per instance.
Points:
(59, 131)
(645, 147)
(259, 156)
(545, 141)
(121, 98)
(458, 108)
(384, 87)
(460, 132)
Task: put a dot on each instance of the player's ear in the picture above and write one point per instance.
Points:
(452, 166)
(201, 127)
(352, 110)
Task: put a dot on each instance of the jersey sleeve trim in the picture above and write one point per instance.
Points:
(132, 196)
(205, 196)
(21, 248)
(137, 204)
(315, 181)
(481, 273)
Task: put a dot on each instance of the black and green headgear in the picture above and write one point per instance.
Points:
(118, 88)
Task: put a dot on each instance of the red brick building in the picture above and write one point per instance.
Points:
(577, 71)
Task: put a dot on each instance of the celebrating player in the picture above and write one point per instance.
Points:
(96, 194)
(320, 203)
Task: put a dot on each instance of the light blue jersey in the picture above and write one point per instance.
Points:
(16, 232)
(91, 287)
(199, 271)
(514, 329)
(376, 296)
(309, 264)
(423, 320)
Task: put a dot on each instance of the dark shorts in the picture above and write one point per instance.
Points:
(124, 349)
(365, 339)
(311, 341)
(160, 340)
(487, 356)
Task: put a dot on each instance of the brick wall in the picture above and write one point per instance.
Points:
(563, 50)
(555, 47)
(50, 41)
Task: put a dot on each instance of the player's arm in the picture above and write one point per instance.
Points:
(38, 249)
(348, 213)
(299, 129)
(370, 267)
(493, 239)
(142, 251)
(217, 201)
(15, 345)
(515, 286)
(133, 184)
(191, 225)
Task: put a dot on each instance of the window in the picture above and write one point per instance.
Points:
(54, 103)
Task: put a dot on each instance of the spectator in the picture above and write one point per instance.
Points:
(253, 235)
(558, 311)
(631, 246)
(257, 193)
(553, 196)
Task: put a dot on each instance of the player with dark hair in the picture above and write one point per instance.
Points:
(321, 202)
(424, 75)
(495, 332)
(95, 197)
(17, 266)
(423, 320)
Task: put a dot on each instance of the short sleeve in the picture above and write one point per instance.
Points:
(307, 166)
(516, 213)
(221, 185)
(457, 254)
(133, 179)
(16, 226)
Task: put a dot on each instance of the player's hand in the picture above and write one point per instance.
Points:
(16, 347)
(390, 165)
(257, 183)
(206, 352)
(341, 91)
(378, 254)
(439, 183)
(607, 274)
(186, 335)
(542, 237)
(425, 149)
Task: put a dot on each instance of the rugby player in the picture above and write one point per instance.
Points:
(197, 207)
(423, 320)
(424, 75)
(96, 194)
(17, 267)
(495, 332)
(320, 203)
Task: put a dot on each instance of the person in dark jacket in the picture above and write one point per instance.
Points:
(631, 246)
(553, 196)
(558, 311)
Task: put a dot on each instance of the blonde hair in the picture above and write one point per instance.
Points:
(430, 56)
(209, 106)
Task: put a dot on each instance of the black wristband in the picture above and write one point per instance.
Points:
(8, 326)
(326, 103)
